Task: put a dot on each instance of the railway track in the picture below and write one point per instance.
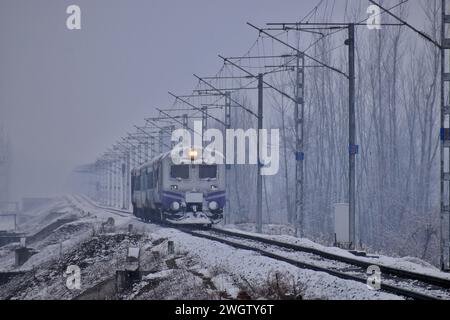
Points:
(406, 274)
(118, 212)
(411, 285)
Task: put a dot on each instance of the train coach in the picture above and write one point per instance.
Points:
(189, 194)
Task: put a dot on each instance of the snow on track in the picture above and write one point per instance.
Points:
(256, 268)
(407, 263)
(238, 264)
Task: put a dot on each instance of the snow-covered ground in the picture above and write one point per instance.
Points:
(198, 268)
(405, 263)
(238, 268)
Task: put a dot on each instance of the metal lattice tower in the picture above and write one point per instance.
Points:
(161, 144)
(127, 191)
(299, 144)
(227, 109)
(204, 123)
(152, 147)
(445, 140)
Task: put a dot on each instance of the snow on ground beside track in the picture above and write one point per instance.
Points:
(254, 268)
(241, 264)
(59, 241)
(70, 236)
(406, 263)
(101, 213)
(122, 220)
(211, 254)
(63, 238)
(35, 219)
(207, 266)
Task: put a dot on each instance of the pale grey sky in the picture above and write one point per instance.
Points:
(65, 96)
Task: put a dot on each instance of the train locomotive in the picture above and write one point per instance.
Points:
(181, 194)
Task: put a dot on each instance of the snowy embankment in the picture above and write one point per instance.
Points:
(198, 268)
(241, 266)
(406, 263)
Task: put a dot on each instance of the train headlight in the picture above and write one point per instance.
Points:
(193, 154)
(175, 206)
(213, 205)
(174, 187)
(213, 187)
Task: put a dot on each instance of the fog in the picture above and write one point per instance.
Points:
(67, 95)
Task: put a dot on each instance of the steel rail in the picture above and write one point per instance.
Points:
(404, 274)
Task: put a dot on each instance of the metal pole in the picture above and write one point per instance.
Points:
(227, 217)
(98, 184)
(105, 169)
(105, 184)
(352, 134)
(121, 186)
(124, 183)
(204, 123)
(113, 183)
(444, 146)
(101, 178)
(110, 178)
(161, 137)
(185, 121)
(172, 143)
(185, 126)
(111, 186)
(259, 178)
(113, 164)
(128, 191)
(152, 147)
(300, 156)
(118, 182)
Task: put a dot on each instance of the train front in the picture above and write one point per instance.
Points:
(193, 193)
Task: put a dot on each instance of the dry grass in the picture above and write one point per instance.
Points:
(277, 286)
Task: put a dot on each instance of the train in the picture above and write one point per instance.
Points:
(179, 194)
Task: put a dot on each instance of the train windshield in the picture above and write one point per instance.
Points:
(180, 171)
(207, 171)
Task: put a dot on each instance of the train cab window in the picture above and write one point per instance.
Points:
(207, 171)
(180, 171)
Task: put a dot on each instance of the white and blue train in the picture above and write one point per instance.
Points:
(189, 194)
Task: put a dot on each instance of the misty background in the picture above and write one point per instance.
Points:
(65, 95)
